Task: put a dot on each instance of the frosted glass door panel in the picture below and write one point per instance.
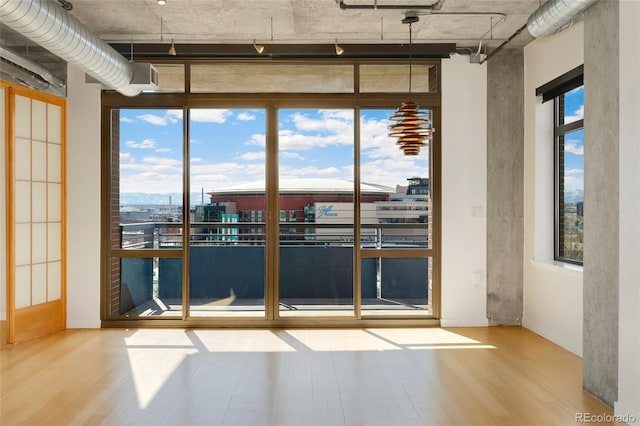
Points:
(23, 287)
(22, 159)
(22, 125)
(39, 121)
(37, 200)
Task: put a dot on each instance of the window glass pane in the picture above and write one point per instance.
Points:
(571, 196)
(317, 188)
(391, 286)
(394, 78)
(572, 105)
(227, 247)
(145, 287)
(271, 78)
(396, 209)
(146, 179)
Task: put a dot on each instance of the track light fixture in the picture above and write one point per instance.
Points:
(172, 49)
(259, 47)
(162, 2)
(339, 50)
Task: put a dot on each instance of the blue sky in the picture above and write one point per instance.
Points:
(227, 148)
(574, 142)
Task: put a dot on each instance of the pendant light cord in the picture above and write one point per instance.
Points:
(410, 57)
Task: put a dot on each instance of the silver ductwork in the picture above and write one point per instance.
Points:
(555, 15)
(12, 57)
(47, 24)
(24, 77)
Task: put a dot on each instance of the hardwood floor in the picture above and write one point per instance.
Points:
(430, 376)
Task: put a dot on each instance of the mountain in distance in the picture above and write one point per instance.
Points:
(573, 196)
(147, 199)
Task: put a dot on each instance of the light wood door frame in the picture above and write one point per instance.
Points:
(38, 319)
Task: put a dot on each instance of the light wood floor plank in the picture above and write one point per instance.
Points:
(466, 376)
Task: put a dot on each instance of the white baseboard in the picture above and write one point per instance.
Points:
(83, 323)
(565, 342)
(464, 322)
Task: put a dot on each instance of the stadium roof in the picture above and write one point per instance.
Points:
(332, 186)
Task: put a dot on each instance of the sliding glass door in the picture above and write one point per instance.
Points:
(315, 212)
(396, 232)
(227, 212)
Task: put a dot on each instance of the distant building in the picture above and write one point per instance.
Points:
(324, 202)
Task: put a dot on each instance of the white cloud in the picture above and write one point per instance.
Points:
(151, 182)
(294, 141)
(573, 171)
(257, 140)
(126, 158)
(145, 144)
(310, 171)
(218, 168)
(256, 155)
(196, 160)
(152, 165)
(162, 150)
(572, 183)
(210, 115)
(156, 120)
(244, 116)
(174, 115)
(126, 120)
(221, 175)
(574, 147)
(291, 155)
(577, 115)
(329, 121)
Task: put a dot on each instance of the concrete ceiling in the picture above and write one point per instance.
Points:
(467, 23)
(299, 21)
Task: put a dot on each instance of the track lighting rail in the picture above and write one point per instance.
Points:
(375, 6)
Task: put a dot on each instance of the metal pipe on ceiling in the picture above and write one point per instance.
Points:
(555, 15)
(48, 25)
(13, 57)
(17, 74)
(375, 6)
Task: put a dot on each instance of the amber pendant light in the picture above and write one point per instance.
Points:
(411, 126)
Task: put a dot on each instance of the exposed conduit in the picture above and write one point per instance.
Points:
(550, 18)
(17, 74)
(48, 25)
(375, 6)
(554, 16)
(35, 68)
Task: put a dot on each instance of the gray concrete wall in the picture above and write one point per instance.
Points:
(505, 188)
(601, 242)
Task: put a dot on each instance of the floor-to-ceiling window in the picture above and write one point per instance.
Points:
(275, 199)
(227, 238)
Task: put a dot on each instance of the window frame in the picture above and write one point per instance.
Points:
(559, 133)
(273, 102)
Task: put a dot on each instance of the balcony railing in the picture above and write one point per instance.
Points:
(316, 264)
(168, 235)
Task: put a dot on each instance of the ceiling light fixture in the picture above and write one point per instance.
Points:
(339, 50)
(162, 2)
(259, 47)
(172, 49)
(412, 127)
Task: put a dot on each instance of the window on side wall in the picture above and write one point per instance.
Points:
(567, 93)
